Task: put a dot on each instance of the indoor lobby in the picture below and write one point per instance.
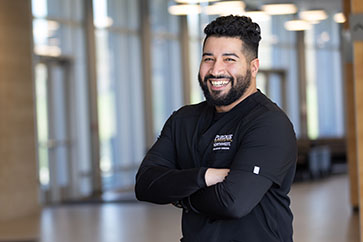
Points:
(87, 85)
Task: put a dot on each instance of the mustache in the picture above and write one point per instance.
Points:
(210, 76)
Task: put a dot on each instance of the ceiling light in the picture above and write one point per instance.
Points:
(313, 16)
(103, 22)
(339, 18)
(258, 16)
(226, 8)
(47, 50)
(279, 9)
(194, 1)
(184, 9)
(297, 25)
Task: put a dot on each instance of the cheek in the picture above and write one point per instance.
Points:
(203, 70)
(237, 71)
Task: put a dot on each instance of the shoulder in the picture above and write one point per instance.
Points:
(269, 113)
(270, 126)
(189, 111)
(186, 114)
(265, 103)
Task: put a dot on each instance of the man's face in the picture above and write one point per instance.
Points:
(224, 73)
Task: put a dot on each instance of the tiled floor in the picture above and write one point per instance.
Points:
(321, 209)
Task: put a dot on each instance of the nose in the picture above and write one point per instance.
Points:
(217, 68)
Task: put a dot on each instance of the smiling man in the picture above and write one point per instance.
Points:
(229, 161)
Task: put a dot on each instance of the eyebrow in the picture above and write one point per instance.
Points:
(224, 54)
(231, 54)
(207, 54)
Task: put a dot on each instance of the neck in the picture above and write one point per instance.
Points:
(223, 109)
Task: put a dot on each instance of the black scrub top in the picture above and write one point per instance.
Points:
(256, 141)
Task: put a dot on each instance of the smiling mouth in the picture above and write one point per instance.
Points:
(219, 83)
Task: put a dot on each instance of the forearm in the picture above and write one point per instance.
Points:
(214, 176)
(164, 185)
(159, 179)
(230, 199)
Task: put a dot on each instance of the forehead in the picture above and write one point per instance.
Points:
(220, 45)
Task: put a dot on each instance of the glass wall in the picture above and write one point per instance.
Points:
(325, 89)
(167, 87)
(278, 51)
(58, 32)
(120, 94)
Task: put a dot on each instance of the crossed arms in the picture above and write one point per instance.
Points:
(231, 192)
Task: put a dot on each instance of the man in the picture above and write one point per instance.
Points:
(229, 161)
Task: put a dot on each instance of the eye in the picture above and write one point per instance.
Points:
(230, 59)
(208, 59)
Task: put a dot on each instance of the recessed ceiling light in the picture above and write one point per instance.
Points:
(226, 8)
(194, 1)
(339, 18)
(297, 25)
(313, 16)
(279, 9)
(257, 15)
(184, 9)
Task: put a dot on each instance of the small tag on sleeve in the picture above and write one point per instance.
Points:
(256, 170)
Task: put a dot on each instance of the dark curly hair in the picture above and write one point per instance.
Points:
(241, 27)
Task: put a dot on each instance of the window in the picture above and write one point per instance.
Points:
(120, 96)
(278, 51)
(58, 33)
(167, 88)
(324, 76)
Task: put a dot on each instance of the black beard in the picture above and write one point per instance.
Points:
(215, 99)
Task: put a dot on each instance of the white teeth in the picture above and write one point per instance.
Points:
(219, 83)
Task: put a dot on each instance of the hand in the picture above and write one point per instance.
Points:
(214, 176)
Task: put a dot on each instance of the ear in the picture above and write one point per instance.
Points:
(254, 65)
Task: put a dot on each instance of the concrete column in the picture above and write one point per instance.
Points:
(93, 96)
(145, 33)
(300, 46)
(184, 41)
(18, 167)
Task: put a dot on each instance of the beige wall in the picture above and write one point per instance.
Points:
(18, 168)
(357, 8)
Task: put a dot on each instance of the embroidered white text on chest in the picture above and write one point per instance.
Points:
(222, 142)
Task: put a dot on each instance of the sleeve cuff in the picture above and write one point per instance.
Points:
(201, 177)
(187, 203)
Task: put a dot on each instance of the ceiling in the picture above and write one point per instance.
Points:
(331, 6)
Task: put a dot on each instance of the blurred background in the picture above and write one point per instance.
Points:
(86, 86)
